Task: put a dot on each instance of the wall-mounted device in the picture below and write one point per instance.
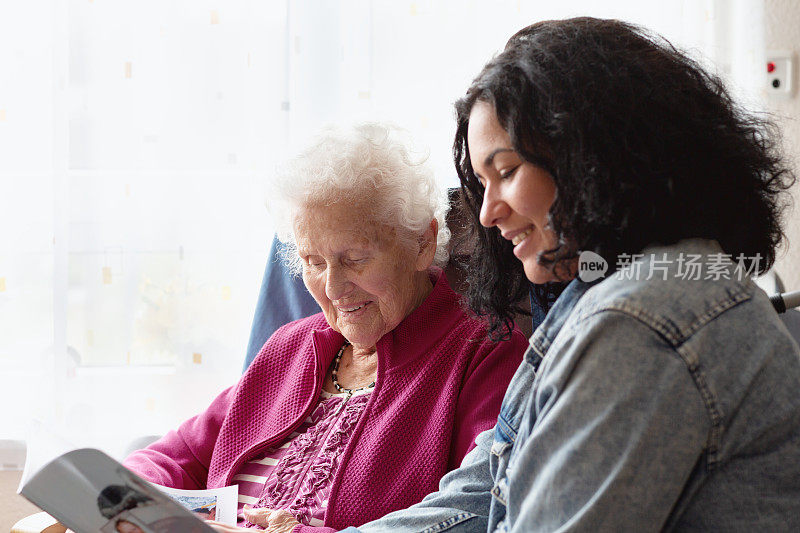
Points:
(780, 73)
(787, 300)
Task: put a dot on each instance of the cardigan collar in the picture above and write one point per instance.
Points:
(420, 330)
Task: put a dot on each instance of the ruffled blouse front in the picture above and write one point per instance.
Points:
(297, 475)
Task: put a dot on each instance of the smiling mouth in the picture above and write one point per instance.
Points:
(521, 236)
(352, 309)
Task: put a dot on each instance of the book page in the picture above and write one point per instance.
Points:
(42, 446)
(210, 504)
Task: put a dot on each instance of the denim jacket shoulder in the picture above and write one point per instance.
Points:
(641, 405)
(744, 371)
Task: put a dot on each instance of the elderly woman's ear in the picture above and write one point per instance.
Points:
(427, 246)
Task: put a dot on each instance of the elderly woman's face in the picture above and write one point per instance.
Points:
(365, 282)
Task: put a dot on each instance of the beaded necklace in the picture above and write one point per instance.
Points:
(335, 371)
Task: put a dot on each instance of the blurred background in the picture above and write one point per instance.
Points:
(136, 143)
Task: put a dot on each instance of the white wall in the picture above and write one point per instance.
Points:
(782, 32)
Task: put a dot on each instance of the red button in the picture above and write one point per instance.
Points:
(770, 67)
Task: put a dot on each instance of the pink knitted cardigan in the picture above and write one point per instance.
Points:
(439, 383)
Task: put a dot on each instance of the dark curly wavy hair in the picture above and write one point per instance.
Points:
(644, 147)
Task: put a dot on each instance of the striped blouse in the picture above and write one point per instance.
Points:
(297, 475)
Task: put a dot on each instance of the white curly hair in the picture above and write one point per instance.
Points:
(374, 161)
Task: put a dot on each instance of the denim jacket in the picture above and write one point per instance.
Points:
(641, 405)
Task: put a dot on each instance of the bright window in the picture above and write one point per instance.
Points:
(136, 141)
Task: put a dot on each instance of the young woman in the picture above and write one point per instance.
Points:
(664, 395)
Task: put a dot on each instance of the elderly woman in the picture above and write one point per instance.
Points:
(663, 396)
(358, 410)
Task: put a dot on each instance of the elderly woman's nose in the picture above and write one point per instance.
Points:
(336, 284)
(493, 208)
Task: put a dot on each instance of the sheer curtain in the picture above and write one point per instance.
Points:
(137, 135)
(135, 143)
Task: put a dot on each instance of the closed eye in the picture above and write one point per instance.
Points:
(315, 262)
(509, 173)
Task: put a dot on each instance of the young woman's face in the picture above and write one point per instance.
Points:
(518, 194)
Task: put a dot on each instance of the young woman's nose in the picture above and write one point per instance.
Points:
(493, 208)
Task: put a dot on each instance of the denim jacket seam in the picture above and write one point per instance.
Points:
(540, 353)
(505, 427)
(666, 327)
(540, 343)
(450, 522)
(709, 400)
(690, 361)
(676, 338)
(539, 369)
(543, 365)
(713, 313)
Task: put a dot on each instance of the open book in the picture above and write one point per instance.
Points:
(88, 491)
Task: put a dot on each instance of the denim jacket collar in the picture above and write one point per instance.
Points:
(543, 336)
(556, 317)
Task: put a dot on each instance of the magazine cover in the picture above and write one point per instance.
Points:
(88, 491)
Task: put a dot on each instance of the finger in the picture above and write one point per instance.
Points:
(283, 526)
(258, 516)
(282, 520)
(280, 514)
(223, 528)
